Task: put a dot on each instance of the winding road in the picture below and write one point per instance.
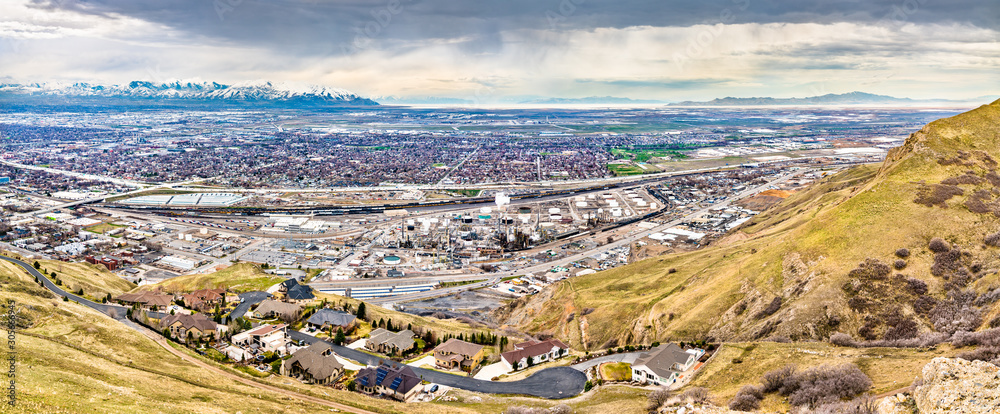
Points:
(551, 383)
(118, 313)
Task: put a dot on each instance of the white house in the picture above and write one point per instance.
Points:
(664, 364)
(533, 352)
(267, 338)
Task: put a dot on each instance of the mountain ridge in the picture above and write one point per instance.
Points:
(259, 91)
(849, 98)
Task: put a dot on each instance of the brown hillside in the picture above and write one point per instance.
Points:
(799, 274)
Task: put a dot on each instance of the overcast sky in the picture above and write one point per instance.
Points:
(484, 50)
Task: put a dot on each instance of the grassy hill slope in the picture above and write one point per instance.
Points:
(72, 359)
(240, 277)
(95, 280)
(788, 278)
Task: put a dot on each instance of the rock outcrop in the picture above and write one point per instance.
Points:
(950, 386)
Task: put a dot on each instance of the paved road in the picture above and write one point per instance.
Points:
(551, 383)
(120, 312)
(248, 299)
(114, 311)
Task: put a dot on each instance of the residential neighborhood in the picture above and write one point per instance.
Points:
(309, 340)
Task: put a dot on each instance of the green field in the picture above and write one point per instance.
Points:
(639, 155)
(466, 192)
(627, 169)
(103, 228)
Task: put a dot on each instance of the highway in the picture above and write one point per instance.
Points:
(542, 267)
(128, 183)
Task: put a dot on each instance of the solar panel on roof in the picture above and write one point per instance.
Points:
(380, 375)
(396, 382)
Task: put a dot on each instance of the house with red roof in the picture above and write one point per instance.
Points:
(529, 353)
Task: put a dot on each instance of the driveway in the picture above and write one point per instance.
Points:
(493, 370)
(247, 300)
(551, 383)
(427, 360)
(628, 357)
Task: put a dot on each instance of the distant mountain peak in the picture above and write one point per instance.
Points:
(594, 100)
(261, 91)
(849, 98)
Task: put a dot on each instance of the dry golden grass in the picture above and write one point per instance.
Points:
(73, 359)
(801, 251)
(240, 277)
(95, 280)
(889, 368)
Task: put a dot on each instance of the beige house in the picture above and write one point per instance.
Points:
(315, 364)
(196, 326)
(390, 343)
(276, 309)
(456, 354)
(150, 301)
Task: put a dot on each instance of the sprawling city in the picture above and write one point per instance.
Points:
(482, 236)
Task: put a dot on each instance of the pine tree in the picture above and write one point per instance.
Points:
(361, 311)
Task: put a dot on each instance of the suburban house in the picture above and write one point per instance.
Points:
(329, 318)
(147, 300)
(266, 338)
(400, 383)
(664, 364)
(315, 364)
(205, 299)
(296, 293)
(197, 325)
(390, 343)
(458, 354)
(529, 353)
(275, 309)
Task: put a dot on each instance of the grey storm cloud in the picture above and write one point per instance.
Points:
(329, 26)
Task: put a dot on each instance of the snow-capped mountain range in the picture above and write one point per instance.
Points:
(253, 91)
